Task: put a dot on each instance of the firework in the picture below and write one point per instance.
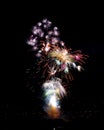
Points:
(53, 92)
(56, 61)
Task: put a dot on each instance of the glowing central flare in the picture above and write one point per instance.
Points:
(53, 101)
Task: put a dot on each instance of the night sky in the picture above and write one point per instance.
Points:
(21, 93)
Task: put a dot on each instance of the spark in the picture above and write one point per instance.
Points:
(56, 62)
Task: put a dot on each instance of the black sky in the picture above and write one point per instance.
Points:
(80, 29)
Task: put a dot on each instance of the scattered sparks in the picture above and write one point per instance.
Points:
(55, 60)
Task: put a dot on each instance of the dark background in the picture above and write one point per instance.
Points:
(80, 28)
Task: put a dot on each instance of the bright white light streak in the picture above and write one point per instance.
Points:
(53, 101)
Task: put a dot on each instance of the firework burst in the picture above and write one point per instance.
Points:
(55, 60)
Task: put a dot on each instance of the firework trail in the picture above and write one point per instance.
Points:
(56, 62)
